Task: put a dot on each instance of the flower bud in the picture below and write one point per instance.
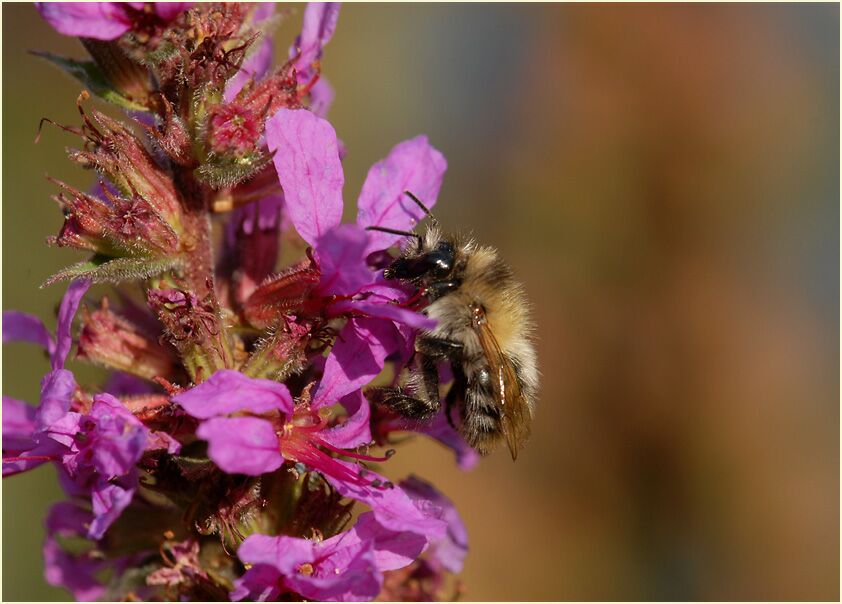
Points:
(111, 340)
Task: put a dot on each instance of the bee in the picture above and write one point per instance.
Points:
(483, 330)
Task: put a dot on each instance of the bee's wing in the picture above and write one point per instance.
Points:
(507, 391)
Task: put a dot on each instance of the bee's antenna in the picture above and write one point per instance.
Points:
(420, 204)
(393, 231)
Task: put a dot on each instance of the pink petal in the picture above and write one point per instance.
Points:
(170, 10)
(23, 327)
(392, 549)
(393, 508)
(453, 547)
(316, 31)
(341, 254)
(98, 20)
(18, 425)
(439, 428)
(307, 161)
(321, 98)
(356, 430)
(356, 358)
(284, 553)
(57, 389)
(242, 445)
(413, 165)
(348, 574)
(69, 305)
(380, 310)
(108, 500)
(228, 391)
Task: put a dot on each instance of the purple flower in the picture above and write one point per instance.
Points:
(25, 432)
(258, 445)
(329, 570)
(97, 450)
(307, 161)
(310, 567)
(103, 20)
(100, 450)
(317, 29)
(75, 572)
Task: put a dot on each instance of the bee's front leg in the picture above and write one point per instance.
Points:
(419, 399)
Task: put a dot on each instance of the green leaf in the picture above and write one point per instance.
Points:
(102, 269)
(90, 76)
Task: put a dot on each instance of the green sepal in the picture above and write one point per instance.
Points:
(103, 269)
(220, 173)
(89, 75)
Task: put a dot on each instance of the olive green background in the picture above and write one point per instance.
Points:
(665, 181)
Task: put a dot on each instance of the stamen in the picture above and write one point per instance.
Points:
(29, 458)
(354, 455)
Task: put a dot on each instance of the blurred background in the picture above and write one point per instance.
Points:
(665, 181)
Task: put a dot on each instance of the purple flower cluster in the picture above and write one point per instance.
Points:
(228, 451)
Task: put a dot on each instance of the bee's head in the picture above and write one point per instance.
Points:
(431, 260)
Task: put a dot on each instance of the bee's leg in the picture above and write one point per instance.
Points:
(420, 398)
(437, 349)
(457, 389)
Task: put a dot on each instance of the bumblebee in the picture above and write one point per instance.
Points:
(483, 330)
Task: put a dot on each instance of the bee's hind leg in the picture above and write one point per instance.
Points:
(419, 399)
(455, 394)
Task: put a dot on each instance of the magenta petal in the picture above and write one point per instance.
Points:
(109, 499)
(413, 165)
(346, 574)
(242, 445)
(18, 425)
(67, 518)
(380, 310)
(316, 31)
(162, 440)
(452, 548)
(23, 327)
(228, 391)
(341, 254)
(307, 161)
(69, 305)
(356, 430)
(120, 438)
(392, 549)
(170, 10)
(321, 98)
(98, 20)
(356, 358)
(32, 458)
(393, 508)
(260, 583)
(57, 389)
(439, 428)
(77, 574)
(285, 554)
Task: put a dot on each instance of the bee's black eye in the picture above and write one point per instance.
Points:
(441, 259)
(436, 264)
(440, 265)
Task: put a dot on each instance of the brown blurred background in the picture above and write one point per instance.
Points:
(665, 181)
